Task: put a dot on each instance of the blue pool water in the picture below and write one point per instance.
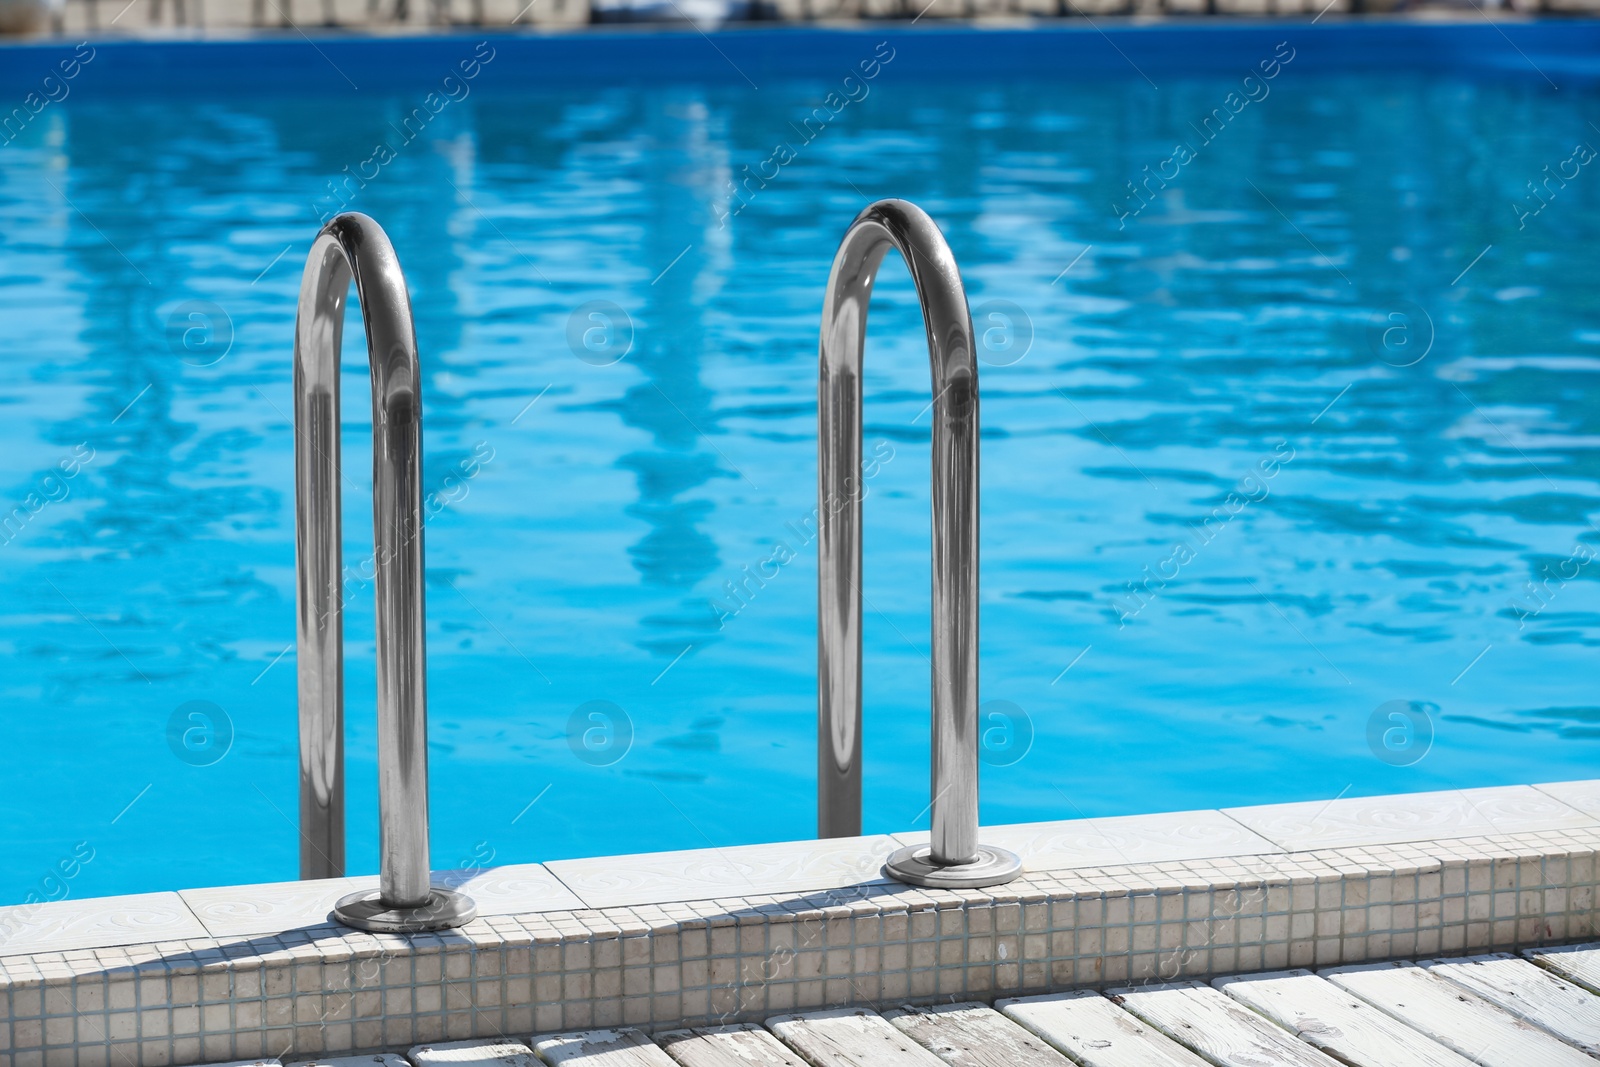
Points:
(1339, 340)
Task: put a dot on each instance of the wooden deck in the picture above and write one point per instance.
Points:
(1537, 1009)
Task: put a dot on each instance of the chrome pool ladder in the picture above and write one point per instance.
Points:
(953, 858)
(353, 247)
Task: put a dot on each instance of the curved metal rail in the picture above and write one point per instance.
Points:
(353, 247)
(953, 857)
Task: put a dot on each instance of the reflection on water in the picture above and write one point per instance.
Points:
(1337, 289)
(672, 404)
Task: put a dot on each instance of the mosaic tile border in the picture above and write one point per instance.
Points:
(321, 990)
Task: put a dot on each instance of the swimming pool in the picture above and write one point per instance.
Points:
(1274, 437)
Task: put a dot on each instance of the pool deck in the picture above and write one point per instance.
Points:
(736, 935)
(201, 18)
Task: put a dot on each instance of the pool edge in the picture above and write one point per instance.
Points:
(724, 935)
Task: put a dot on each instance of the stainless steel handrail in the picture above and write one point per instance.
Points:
(953, 857)
(352, 246)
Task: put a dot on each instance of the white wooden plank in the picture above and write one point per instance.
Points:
(474, 1053)
(1337, 1022)
(741, 1045)
(850, 1037)
(381, 1059)
(1222, 1030)
(1529, 992)
(974, 1035)
(1454, 1017)
(1576, 963)
(623, 1047)
(1096, 1032)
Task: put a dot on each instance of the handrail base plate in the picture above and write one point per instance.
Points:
(445, 910)
(914, 865)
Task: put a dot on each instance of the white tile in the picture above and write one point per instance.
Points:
(384, 1059)
(1118, 841)
(739, 871)
(271, 907)
(476, 1053)
(516, 889)
(1409, 817)
(1583, 795)
(96, 922)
